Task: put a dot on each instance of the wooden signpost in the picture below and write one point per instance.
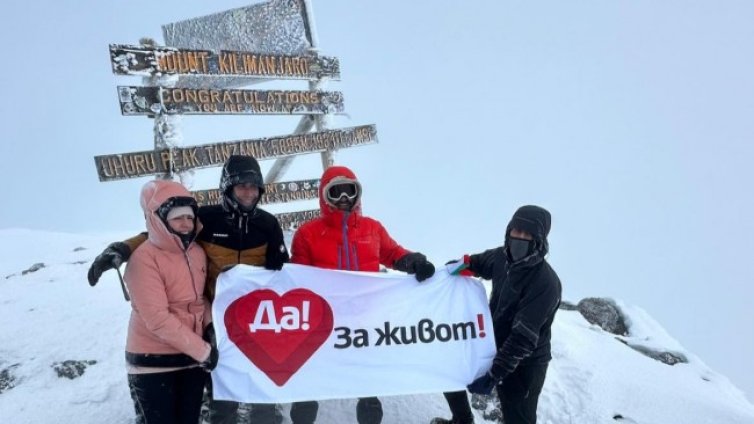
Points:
(279, 27)
(159, 162)
(276, 26)
(281, 192)
(291, 220)
(200, 101)
(209, 56)
(148, 60)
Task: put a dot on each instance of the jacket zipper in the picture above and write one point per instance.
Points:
(345, 241)
(193, 285)
(355, 258)
(240, 238)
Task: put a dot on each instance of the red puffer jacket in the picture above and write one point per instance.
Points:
(340, 240)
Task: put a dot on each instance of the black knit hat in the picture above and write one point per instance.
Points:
(532, 219)
(238, 170)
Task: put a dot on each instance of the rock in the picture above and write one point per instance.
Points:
(36, 267)
(668, 358)
(79, 249)
(7, 379)
(605, 313)
(71, 369)
(489, 405)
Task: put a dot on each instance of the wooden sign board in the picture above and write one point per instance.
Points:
(279, 27)
(290, 221)
(158, 162)
(276, 26)
(282, 192)
(201, 101)
(147, 60)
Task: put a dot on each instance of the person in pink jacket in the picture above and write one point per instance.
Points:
(166, 355)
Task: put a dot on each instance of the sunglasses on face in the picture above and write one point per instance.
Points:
(337, 191)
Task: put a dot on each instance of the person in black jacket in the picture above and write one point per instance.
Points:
(234, 232)
(525, 296)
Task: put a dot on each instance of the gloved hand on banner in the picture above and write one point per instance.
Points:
(460, 266)
(417, 264)
(484, 384)
(210, 363)
(110, 258)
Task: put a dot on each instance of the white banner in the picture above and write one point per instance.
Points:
(307, 333)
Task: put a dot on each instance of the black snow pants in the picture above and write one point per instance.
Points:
(226, 412)
(459, 407)
(368, 411)
(173, 397)
(519, 393)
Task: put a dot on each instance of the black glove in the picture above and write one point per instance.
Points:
(209, 336)
(423, 270)
(484, 384)
(110, 258)
(210, 363)
(417, 264)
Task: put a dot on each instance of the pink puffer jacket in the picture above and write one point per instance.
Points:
(166, 283)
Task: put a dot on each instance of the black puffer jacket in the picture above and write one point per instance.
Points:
(230, 238)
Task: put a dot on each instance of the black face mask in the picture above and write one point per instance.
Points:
(519, 248)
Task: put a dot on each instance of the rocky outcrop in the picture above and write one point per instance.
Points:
(34, 268)
(605, 313)
(7, 379)
(71, 369)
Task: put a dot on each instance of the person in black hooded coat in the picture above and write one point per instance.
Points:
(526, 293)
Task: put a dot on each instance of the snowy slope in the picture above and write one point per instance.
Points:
(52, 315)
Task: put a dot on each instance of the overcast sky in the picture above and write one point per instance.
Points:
(631, 121)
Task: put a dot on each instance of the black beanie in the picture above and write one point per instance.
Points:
(532, 219)
(241, 169)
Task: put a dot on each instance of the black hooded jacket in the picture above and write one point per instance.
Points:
(523, 305)
(233, 237)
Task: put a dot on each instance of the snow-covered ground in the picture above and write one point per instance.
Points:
(51, 315)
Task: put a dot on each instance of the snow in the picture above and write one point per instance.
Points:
(52, 315)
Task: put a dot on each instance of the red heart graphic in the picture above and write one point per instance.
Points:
(279, 333)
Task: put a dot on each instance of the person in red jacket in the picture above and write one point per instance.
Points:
(342, 238)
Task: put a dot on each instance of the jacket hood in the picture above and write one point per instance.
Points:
(237, 170)
(536, 221)
(153, 195)
(329, 212)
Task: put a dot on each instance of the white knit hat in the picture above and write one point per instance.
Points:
(180, 211)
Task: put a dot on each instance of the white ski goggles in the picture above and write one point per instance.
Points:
(342, 187)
